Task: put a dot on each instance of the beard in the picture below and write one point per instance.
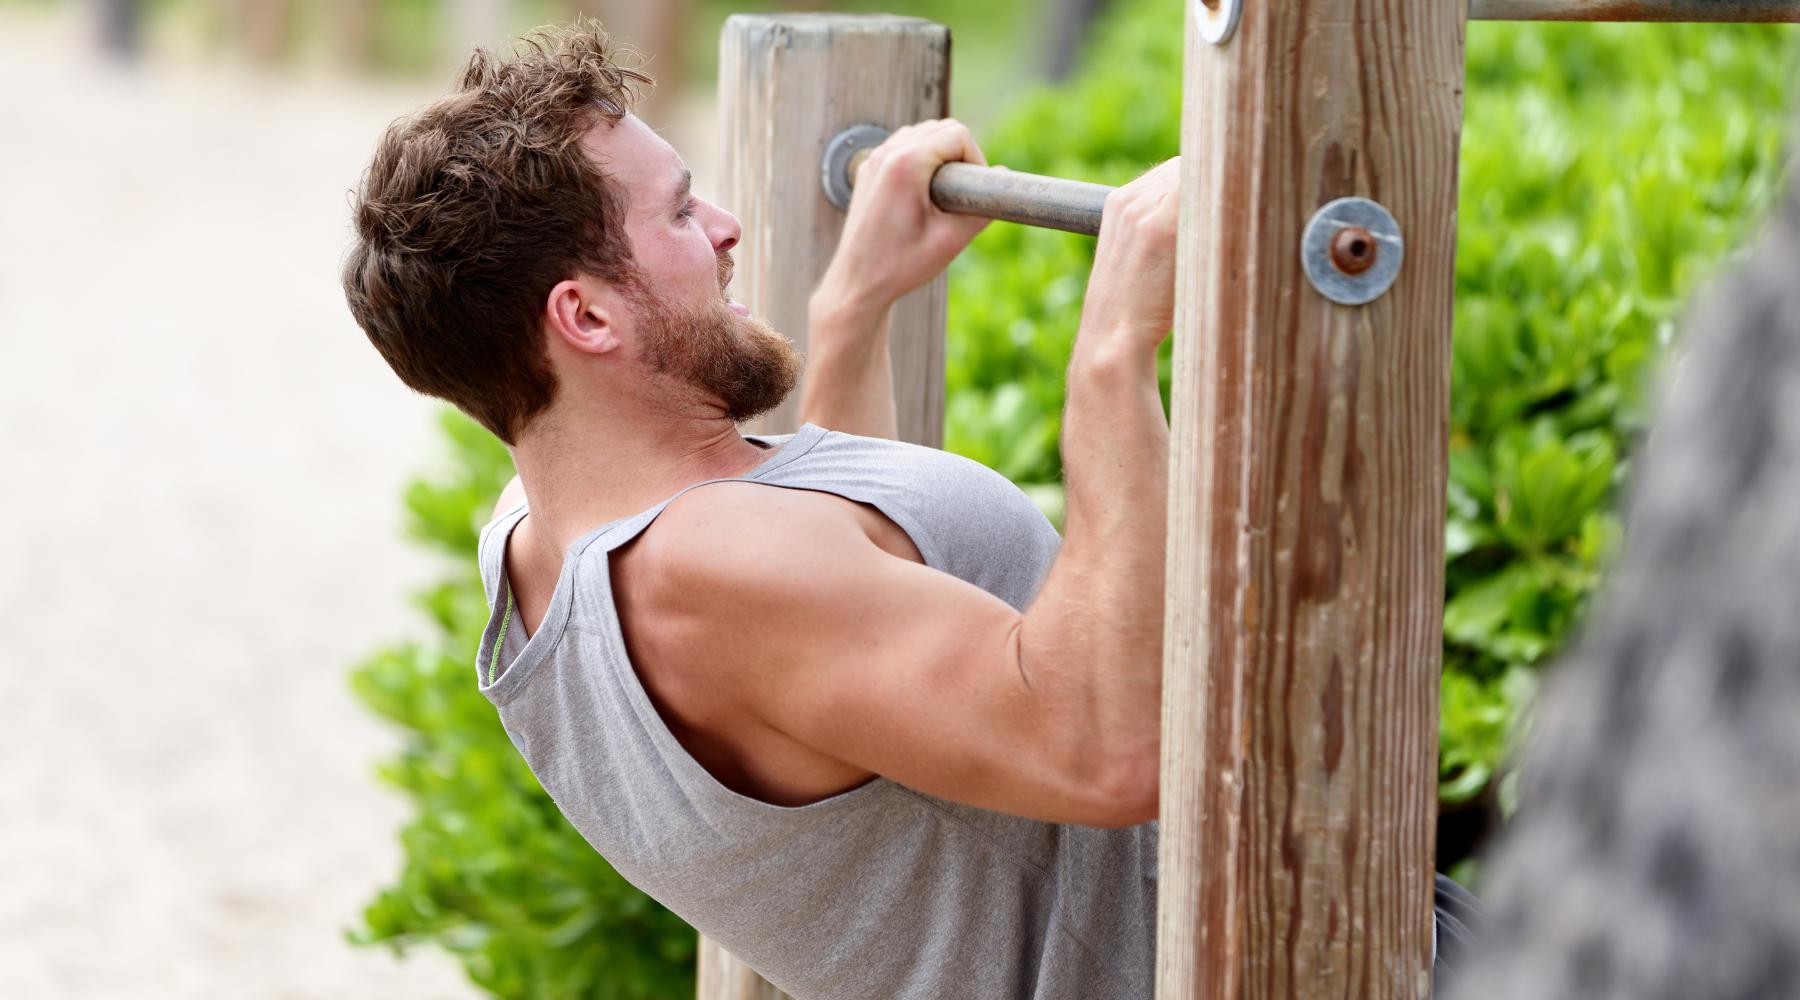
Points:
(740, 362)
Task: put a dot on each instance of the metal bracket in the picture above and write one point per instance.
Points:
(1352, 250)
(1217, 19)
(838, 153)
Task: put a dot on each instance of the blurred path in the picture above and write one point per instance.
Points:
(202, 462)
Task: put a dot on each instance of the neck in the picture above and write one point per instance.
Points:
(581, 473)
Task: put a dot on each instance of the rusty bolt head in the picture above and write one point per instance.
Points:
(1353, 250)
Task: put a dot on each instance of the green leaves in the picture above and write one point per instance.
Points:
(1479, 721)
(1607, 171)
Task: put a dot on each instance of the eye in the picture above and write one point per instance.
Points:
(687, 211)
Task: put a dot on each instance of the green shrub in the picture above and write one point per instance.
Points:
(1606, 170)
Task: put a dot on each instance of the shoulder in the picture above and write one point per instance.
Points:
(734, 533)
(735, 585)
(511, 496)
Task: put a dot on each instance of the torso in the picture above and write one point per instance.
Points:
(741, 753)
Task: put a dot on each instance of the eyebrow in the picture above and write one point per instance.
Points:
(683, 189)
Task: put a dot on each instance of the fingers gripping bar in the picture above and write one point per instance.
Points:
(967, 189)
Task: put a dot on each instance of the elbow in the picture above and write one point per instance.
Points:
(1128, 790)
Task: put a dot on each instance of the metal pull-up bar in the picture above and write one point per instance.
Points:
(967, 189)
(1074, 206)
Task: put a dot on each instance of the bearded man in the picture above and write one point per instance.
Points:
(847, 705)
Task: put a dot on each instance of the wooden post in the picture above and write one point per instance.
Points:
(787, 84)
(1305, 581)
(725, 978)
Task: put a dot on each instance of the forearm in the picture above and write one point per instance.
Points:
(1093, 637)
(849, 381)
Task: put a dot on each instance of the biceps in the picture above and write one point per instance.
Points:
(920, 683)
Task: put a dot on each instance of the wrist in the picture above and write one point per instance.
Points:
(844, 303)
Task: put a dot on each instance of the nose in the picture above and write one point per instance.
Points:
(724, 230)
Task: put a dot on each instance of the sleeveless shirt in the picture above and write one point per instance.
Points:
(878, 892)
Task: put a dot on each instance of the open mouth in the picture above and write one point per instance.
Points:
(725, 272)
(725, 293)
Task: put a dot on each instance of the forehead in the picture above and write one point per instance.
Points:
(638, 159)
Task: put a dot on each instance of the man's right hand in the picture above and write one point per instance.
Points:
(894, 238)
(1130, 302)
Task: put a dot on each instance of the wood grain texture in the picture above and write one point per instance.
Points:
(787, 84)
(1305, 575)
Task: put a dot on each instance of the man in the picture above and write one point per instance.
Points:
(847, 705)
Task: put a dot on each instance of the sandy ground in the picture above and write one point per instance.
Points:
(203, 460)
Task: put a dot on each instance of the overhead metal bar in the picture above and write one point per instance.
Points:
(1075, 206)
(1717, 11)
(967, 189)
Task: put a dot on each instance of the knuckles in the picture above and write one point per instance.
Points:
(1147, 206)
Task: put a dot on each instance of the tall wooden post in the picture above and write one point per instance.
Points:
(1305, 583)
(787, 84)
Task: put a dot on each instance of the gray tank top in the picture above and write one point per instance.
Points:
(880, 892)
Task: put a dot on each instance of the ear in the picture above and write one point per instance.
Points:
(583, 315)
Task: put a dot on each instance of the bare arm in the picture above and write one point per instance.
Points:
(774, 605)
(849, 383)
(1104, 595)
(894, 240)
(783, 609)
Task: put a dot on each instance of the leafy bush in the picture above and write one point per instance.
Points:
(1606, 170)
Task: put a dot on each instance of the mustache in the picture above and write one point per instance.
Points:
(726, 266)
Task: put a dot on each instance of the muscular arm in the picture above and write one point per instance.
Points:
(1104, 594)
(849, 383)
(780, 607)
(773, 604)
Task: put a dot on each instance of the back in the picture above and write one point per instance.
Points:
(880, 891)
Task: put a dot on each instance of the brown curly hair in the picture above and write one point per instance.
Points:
(474, 208)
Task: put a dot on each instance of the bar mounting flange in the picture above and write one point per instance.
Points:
(842, 148)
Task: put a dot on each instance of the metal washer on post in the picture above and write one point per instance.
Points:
(1315, 250)
(836, 165)
(1218, 20)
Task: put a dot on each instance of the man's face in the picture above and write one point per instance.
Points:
(687, 330)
